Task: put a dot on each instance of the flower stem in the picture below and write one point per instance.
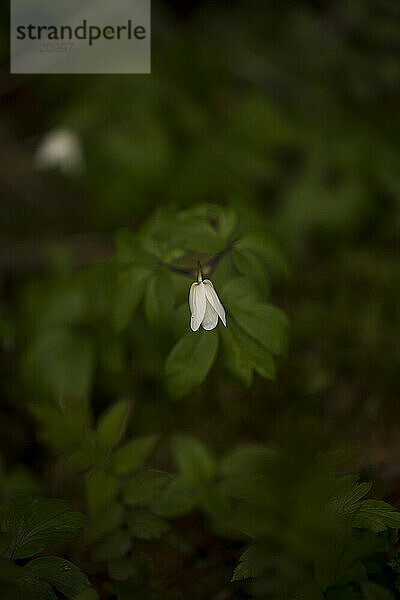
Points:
(199, 273)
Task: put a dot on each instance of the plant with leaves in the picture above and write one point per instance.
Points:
(81, 323)
(119, 490)
(155, 265)
(28, 525)
(314, 535)
(76, 324)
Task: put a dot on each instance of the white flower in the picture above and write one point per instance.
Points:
(205, 305)
(59, 149)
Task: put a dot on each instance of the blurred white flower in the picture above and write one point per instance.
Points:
(205, 305)
(60, 149)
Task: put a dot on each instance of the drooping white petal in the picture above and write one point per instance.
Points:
(213, 299)
(197, 303)
(210, 317)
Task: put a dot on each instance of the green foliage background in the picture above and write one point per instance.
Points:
(139, 459)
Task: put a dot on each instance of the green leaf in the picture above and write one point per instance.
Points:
(251, 267)
(262, 245)
(29, 588)
(133, 454)
(192, 233)
(128, 293)
(249, 565)
(239, 290)
(247, 461)
(195, 464)
(101, 489)
(145, 525)
(86, 456)
(115, 546)
(143, 486)
(234, 359)
(264, 323)
(60, 573)
(243, 571)
(37, 523)
(348, 493)
(177, 499)
(227, 220)
(160, 297)
(258, 357)
(112, 425)
(376, 515)
(245, 464)
(374, 591)
(61, 426)
(190, 360)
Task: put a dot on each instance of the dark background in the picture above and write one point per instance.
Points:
(290, 110)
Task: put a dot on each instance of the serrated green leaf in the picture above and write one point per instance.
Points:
(242, 571)
(133, 454)
(112, 424)
(84, 457)
(62, 427)
(376, 515)
(37, 523)
(190, 361)
(195, 463)
(66, 577)
(146, 525)
(249, 565)
(348, 493)
(143, 486)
